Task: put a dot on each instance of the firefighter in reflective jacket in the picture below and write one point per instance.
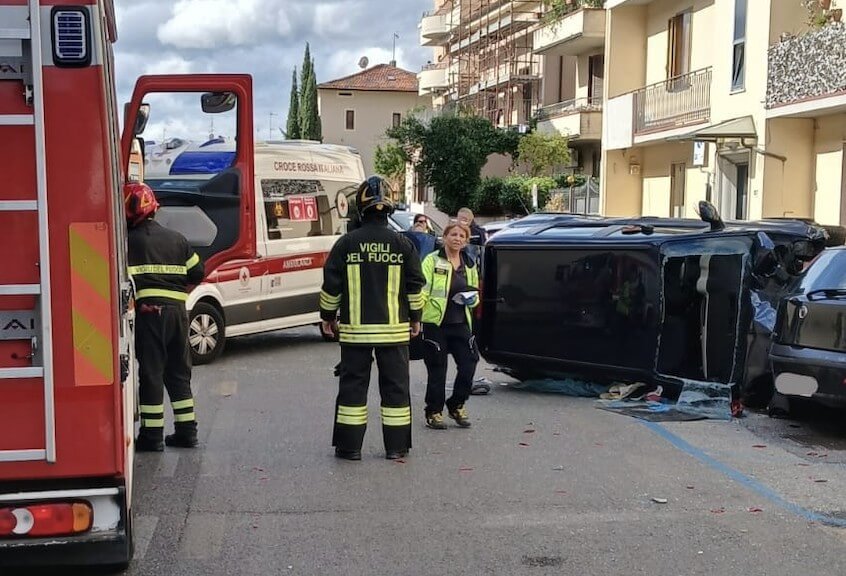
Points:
(162, 265)
(372, 299)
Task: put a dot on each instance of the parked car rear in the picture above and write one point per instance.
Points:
(809, 345)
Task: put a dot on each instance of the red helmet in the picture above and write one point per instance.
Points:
(139, 202)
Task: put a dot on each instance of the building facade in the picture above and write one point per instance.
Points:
(357, 110)
(733, 101)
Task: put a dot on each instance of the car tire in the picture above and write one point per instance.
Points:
(206, 333)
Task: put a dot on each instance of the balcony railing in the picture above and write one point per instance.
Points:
(673, 103)
(576, 105)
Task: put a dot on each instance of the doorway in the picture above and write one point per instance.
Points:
(734, 174)
(741, 202)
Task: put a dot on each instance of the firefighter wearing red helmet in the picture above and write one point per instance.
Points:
(162, 265)
(372, 298)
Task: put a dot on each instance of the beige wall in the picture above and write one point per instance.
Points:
(659, 13)
(830, 135)
(656, 169)
(625, 50)
(621, 192)
(788, 185)
(373, 115)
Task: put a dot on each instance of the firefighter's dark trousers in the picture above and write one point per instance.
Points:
(164, 358)
(351, 406)
(438, 343)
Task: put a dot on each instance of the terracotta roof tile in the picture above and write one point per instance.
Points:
(380, 77)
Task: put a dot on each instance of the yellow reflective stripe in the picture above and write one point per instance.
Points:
(396, 420)
(374, 338)
(352, 410)
(375, 328)
(352, 415)
(180, 404)
(156, 269)
(394, 273)
(329, 298)
(329, 302)
(151, 408)
(354, 291)
(160, 293)
(416, 301)
(396, 416)
(184, 417)
(152, 423)
(192, 261)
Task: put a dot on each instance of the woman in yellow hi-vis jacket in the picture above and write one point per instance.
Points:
(451, 291)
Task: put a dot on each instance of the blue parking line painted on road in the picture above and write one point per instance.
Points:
(742, 478)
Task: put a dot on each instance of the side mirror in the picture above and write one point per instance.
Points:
(141, 118)
(218, 102)
(709, 213)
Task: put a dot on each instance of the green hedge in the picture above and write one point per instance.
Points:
(511, 195)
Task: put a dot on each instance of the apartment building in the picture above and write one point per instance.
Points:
(573, 67)
(734, 101)
(483, 58)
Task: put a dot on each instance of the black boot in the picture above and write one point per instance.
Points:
(348, 454)
(185, 436)
(149, 440)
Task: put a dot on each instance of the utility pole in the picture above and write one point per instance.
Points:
(270, 126)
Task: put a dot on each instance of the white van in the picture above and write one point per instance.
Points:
(301, 191)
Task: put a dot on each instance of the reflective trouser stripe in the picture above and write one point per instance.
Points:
(394, 273)
(354, 291)
(152, 415)
(183, 410)
(352, 415)
(396, 416)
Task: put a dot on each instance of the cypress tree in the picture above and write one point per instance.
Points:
(310, 125)
(293, 127)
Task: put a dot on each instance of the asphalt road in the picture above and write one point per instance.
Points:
(541, 484)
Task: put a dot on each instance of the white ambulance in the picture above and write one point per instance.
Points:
(301, 194)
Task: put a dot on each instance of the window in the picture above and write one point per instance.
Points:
(678, 45)
(738, 66)
(350, 120)
(396, 119)
(596, 72)
(296, 208)
(345, 94)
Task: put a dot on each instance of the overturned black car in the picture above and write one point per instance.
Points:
(649, 300)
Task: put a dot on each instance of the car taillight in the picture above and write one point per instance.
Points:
(46, 519)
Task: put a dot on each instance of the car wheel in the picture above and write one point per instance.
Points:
(206, 333)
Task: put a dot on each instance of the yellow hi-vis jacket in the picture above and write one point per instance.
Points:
(437, 270)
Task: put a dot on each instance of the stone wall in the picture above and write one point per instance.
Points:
(808, 66)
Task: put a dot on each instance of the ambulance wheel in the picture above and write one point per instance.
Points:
(206, 333)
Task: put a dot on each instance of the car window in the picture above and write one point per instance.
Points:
(827, 272)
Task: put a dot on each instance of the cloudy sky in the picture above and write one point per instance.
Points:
(264, 38)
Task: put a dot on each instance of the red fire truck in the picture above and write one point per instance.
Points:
(67, 378)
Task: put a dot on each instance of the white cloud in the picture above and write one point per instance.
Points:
(218, 23)
(172, 64)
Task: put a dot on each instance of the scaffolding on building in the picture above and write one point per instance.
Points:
(493, 71)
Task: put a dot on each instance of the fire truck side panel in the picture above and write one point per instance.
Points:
(90, 441)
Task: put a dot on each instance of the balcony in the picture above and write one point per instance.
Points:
(674, 103)
(659, 110)
(509, 72)
(579, 119)
(806, 75)
(432, 78)
(435, 29)
(578, 32)
(503, 24)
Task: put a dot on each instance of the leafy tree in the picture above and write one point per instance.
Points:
(310, 125)
(292, 130)
(542, 152)
(390, 162)
(452, 148)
